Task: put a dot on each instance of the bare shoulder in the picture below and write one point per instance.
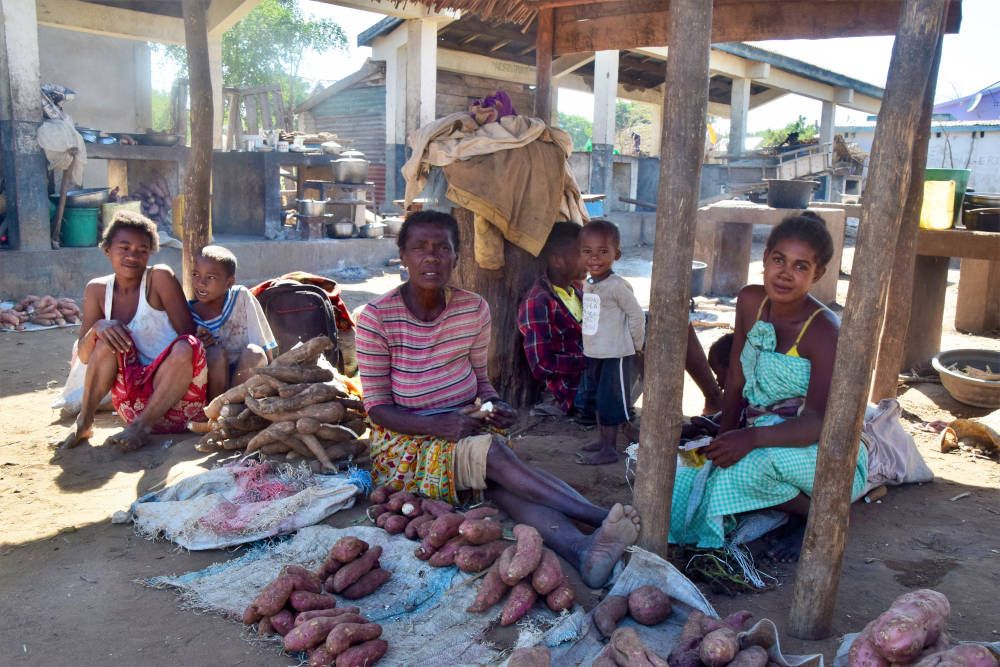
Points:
(162, 276)
(749, 300)
(821, 336)
(96, 288)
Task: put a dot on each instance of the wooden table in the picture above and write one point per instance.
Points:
(724, 234)
(978, 307)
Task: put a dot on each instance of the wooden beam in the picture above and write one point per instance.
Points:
(566, 64)
(889, 361)
(543, 65)
(681, 150)
(224, 14)
(198, 175)
(643, 22)
(110, 21)
(818, 573)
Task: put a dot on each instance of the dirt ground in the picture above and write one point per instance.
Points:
(71, 578)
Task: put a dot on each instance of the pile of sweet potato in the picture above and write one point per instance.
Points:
(647, 604)
(296, 607)
(42, 310)
(291, 408)
(715, 643)
(912, 632)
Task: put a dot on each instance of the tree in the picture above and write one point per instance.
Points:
(805, 132)
(578, 127)
(629, 116)
(268, 45)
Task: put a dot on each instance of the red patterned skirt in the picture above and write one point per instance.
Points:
(134, 385)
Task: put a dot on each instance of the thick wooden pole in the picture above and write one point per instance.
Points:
(543, 65)
(685, 107)
(898, 301)
(818, 572)
(198, 176)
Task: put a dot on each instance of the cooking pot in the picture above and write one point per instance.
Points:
(312, 207)
(343, 229)
(393, 226)
(351, 167)
(785, 193)
(982, 219)
(373, 230)
(85, 198)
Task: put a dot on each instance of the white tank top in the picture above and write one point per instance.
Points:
(151, 329)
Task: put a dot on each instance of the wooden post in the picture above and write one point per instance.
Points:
(818, 573)
(898, 302)
(543, 65)
(682, 147)
(198, 177)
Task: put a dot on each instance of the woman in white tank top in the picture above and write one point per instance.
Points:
(137, 340)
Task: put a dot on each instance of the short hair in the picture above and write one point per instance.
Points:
(605, 227)
(220, 255)
(131, 220)
(721, 349)
(808, 227)
(443, 220)
(563, 235)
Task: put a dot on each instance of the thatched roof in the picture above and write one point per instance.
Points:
(512, 11)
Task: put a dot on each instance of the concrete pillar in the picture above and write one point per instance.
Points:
(215, 70)
(395, 123)
(827, 122)
(143, 87)
(421, 73)
(739, 111)
(24, 165)
(603, 137)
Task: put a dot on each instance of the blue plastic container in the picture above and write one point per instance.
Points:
(595, 209)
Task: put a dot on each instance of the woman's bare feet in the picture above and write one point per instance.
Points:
(598, 457)
(76, 436)
(620, 529)
(132, 437)
(786, 544)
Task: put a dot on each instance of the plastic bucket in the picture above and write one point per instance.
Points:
(961, 178)
(177, 218)
(936, 212)
(79, 227)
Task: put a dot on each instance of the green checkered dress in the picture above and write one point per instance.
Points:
(706, 499)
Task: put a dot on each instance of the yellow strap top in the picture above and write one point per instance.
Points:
(570, 300)
(793, 351)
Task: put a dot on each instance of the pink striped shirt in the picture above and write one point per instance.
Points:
(424, 366)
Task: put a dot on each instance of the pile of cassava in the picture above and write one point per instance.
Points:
(912, 632)
(473, 541)
(291, 408)
(296, 607)
(41, 310)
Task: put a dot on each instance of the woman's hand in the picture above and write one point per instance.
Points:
(206, 337)
(728, 448)
(503, 416)
(114, 334)
(454, 426)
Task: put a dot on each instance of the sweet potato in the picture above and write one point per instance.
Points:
(264, 627)
(375, 511)
(320, 657)
(304, 616)
(283, 622)
(425, 528)
(718, 648)
(306, 601)
(251, 615)
(739, 620)
(314, 631)
(274, 596)
(562, 597)
(899, 634)
(382, 518)
(445, 556)
(605, 658)
(932, 606)
(607, 614)
(628, 649)
(503, 563)
(411, 528)
(863, 653)
(686, 654)
(412, 509)
(548, 574)
(364, 654)
(328, 567)
(443, 529)
(303, 579)
(436, 507)
(480, 531)
(751, 656)
(481, 512)
(354, 570)
(648, 605)
(345, 635)
(348, 548)
(527, 554)
(536, 656)
(963, 655)
(692, 627)
(424, 551)
(400, 498)
(395, 523)
(490, 591)
(367, 584)
(520, 600)
(379, 495)
(477, 558)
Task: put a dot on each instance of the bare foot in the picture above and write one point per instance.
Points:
(129, 439)
(595, 446)
(599, 457)
(787, 545)
(76, 436)
(620, 529)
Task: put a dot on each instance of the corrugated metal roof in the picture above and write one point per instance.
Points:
(968, 125)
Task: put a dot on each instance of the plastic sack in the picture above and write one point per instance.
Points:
(57, 137)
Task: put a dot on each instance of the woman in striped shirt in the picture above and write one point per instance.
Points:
(422, 350)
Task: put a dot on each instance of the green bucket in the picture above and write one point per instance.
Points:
(79, 227)
(961, 178)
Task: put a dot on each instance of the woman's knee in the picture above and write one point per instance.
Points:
(181, 353)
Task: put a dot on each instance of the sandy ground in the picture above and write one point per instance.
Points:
(70, 577)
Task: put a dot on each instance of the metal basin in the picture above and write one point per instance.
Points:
(156, 139)
(352, 167)
(393, 226)
(968, 388)
(343, 229)
(373, 230)
(783, 193)
(312, 207)
(85, 198)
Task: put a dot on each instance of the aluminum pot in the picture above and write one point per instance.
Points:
(981, 219)
(85, 198)
(351, 167)
(784, 193)
(373, 230)
(393, 226)
(343, 229)
(312, 207)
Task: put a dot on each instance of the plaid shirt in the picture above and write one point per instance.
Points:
(553, 341)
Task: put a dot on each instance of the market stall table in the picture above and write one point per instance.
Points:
(724, 234)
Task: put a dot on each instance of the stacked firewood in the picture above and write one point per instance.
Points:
(156, 200)
(291, 408)
(42, 310)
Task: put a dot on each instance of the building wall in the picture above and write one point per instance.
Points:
(356, 115)
(456, 91)
(111, 78)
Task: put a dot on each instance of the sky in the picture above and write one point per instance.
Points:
(968, 63)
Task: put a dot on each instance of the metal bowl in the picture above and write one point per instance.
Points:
(85, 198)
(157, 139)
(966, 388)
(343, 229)
(312, 207)
(373, 230)
(393, 226)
